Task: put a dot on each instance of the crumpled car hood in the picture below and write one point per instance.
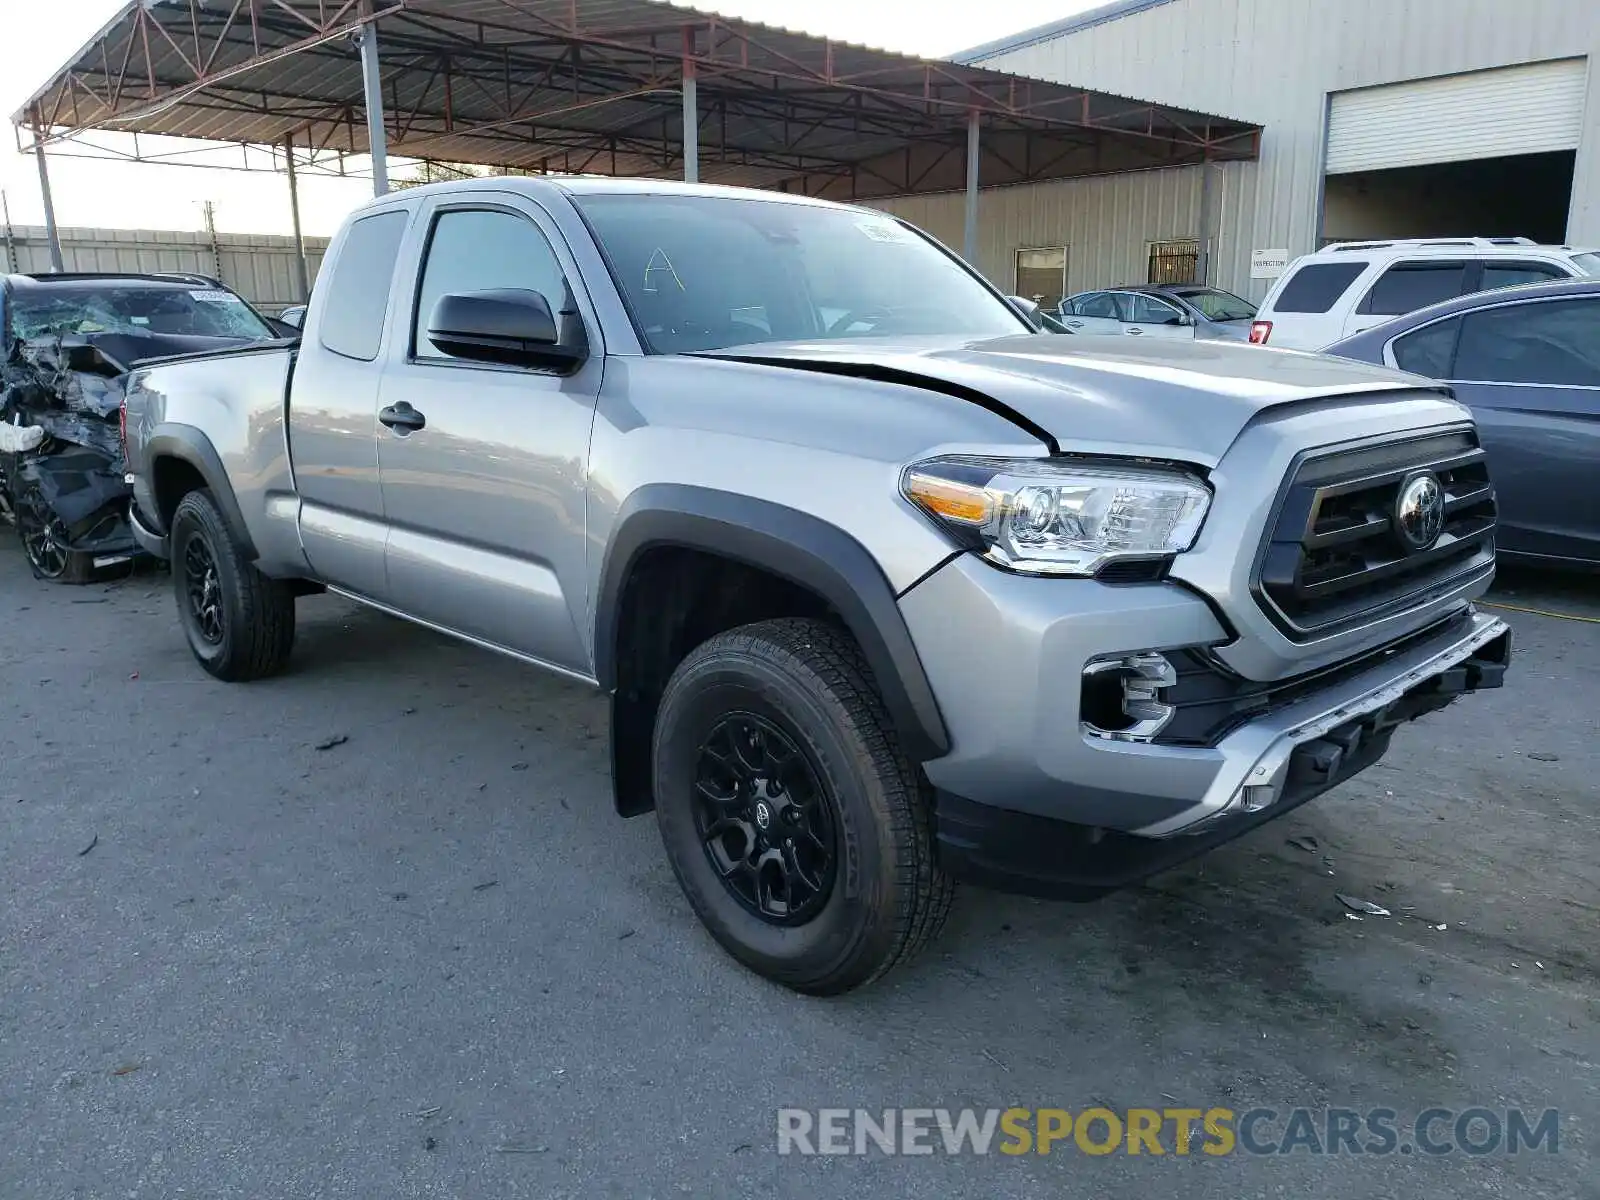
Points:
(1179, 400)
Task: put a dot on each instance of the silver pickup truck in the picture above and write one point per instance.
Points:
(886, 589)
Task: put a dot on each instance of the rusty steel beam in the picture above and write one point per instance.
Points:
(183, 92)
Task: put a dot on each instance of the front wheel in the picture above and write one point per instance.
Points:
(238, 622)
(795, 824)
(48, 545)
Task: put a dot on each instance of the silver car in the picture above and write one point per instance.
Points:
(1181, 311)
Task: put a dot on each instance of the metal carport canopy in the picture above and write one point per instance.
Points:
(602, 86)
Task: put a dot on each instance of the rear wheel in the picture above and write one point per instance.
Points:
(239, 623)
(795, 824)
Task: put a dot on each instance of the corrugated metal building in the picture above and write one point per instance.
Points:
(260, 267)
(1381, 118)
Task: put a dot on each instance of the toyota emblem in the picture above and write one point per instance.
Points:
(1419, 511)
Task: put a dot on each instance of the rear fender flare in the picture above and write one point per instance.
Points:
(190, 445)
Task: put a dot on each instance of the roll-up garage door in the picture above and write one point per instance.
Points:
(1483, 114)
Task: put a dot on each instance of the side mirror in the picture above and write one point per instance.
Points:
(506, 325)
(284, 329)
(294, 318)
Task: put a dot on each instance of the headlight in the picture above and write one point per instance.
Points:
(1053, 517)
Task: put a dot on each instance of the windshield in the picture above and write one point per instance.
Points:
(708, 272)
(1588, 262)
(1219, 305)
(52, 309)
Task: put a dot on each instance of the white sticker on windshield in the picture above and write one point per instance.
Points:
(216, 297)
(884, 231)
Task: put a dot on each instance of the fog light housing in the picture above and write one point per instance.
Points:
(1122, 697)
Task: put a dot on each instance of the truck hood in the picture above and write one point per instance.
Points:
(1179, 400)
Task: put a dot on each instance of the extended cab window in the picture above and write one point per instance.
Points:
(1408, 286)
(1316, 287)
(1552, 342)
(358, 293)
(480, 250)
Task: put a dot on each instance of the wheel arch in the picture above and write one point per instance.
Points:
(179, 454)
(815, 557)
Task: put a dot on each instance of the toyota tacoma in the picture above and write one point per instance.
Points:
(886, 588)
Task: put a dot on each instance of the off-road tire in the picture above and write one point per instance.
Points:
(257, 613)
(889, 897)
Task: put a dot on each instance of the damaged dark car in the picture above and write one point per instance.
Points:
(69, 342)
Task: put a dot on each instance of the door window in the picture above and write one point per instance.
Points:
(358, 293)
(1552, 342)
(1408, 286)
(1428, 351)
(1510, 274)
(479, 250)
(1316, 287)
(1147, 310)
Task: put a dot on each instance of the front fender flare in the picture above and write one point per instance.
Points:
(792, 545)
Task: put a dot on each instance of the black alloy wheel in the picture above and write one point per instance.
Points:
(765, 820)
(45, 541)
(203, 590)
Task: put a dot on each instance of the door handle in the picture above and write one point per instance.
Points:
(1135, 331)
(1075, 324)
(402, 418)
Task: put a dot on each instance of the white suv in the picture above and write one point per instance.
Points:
(1350, 286)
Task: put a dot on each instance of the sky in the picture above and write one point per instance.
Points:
(40, 37)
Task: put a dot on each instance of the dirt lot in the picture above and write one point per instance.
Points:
(430, 961)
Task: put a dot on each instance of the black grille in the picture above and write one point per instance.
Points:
(1334, 558)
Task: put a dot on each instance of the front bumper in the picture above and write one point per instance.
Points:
(1028, 801)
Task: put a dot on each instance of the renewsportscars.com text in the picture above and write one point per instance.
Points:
(1161, 1131)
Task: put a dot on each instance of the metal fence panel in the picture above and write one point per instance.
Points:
(260, 267)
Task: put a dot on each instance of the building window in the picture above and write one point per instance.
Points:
(1174, 262)
(1042, 275)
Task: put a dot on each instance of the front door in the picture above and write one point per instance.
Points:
(1149, 316)
(485, 502)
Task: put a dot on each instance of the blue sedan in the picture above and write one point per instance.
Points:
(1526, 360)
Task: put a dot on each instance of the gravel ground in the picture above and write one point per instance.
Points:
(430, 961)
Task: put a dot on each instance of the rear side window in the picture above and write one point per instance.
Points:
(1408, 286)
(358, 293)
(1510, 274)
(1316, 287)
(1428, 351)
(1552, 342)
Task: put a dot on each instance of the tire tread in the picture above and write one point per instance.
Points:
(263, 624)
(922, 894)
